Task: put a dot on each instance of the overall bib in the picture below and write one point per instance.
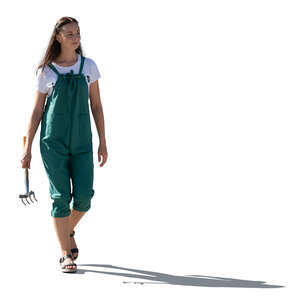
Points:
(66, 143)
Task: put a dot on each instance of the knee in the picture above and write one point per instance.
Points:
(61, 207)
(83, 202)
(81, 207)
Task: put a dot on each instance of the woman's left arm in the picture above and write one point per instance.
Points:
(97, 111)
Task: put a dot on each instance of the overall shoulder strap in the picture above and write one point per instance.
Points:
(53, 68)
(81, 64)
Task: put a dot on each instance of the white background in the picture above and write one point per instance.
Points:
(201, 108)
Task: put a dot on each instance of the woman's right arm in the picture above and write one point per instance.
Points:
(36, 116)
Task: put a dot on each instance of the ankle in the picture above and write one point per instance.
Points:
(66, 252)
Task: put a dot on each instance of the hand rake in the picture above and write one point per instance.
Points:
(27, 194)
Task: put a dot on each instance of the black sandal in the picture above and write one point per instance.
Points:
(64, 268)
(74, 250)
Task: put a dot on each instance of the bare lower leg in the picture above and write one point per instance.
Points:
(75, 216)
(62, 228)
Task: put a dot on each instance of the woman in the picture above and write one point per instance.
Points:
(67, 79)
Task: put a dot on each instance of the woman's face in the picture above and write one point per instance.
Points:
(69, 35)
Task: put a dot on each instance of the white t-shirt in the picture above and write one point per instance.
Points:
(46, 79)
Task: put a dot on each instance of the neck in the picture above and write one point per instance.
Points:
(67, 56)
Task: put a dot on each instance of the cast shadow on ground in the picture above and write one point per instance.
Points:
(188, 280)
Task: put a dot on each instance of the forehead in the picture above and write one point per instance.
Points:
(70, 27)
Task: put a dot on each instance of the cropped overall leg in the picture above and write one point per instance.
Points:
(62, 169)
(58, 172)
(82, 178)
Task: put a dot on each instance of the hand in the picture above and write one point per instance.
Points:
(102, 152)
(26, 158)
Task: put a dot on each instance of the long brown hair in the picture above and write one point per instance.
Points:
(54, 48)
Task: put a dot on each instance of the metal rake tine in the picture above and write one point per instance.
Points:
(23, 198)
(27, 200)
(33, 195)
(29, 195)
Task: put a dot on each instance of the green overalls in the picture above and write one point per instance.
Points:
(66, 143)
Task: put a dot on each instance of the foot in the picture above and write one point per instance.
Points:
(73, 245)
(66, 262)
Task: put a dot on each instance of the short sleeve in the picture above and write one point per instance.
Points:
(95, 74)
(41, 82)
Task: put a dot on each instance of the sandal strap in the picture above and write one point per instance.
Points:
(63, 258)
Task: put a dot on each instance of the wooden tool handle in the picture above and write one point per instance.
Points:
(24, 141)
